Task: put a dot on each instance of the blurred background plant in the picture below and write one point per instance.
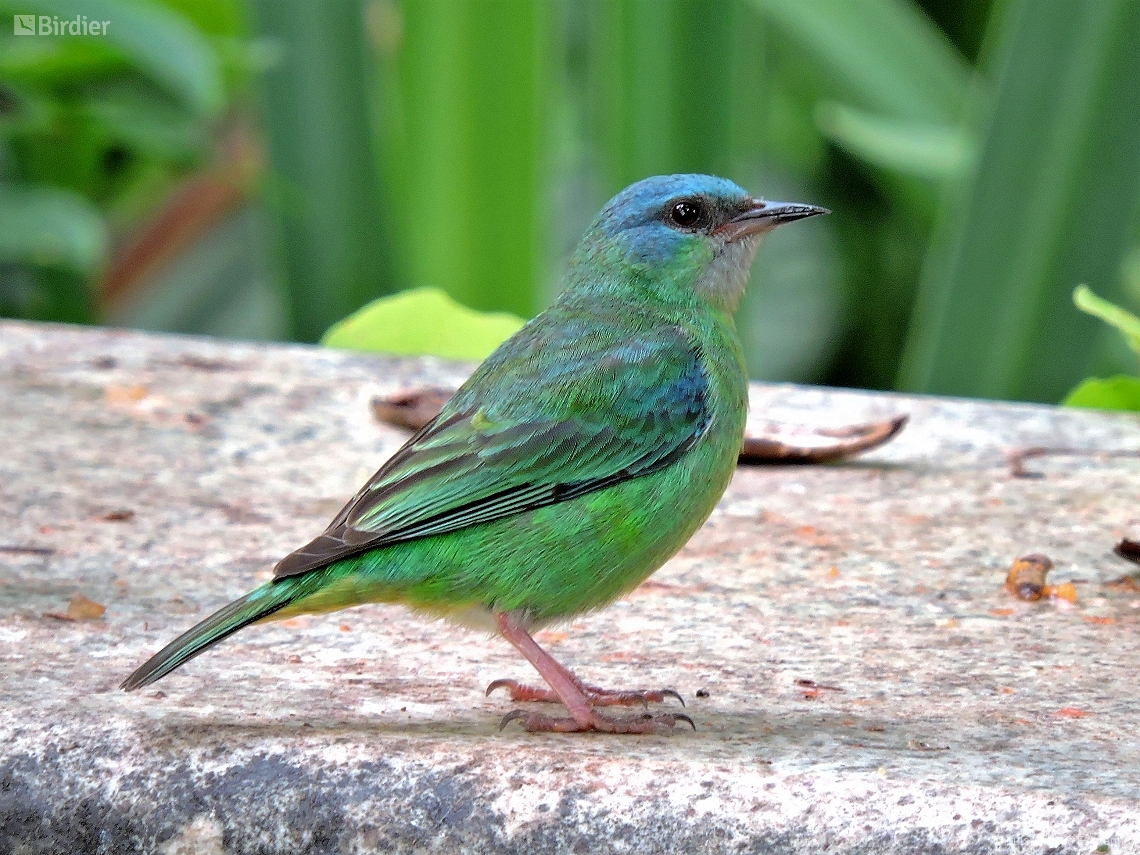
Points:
(262, 169)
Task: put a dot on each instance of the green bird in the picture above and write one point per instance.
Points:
(579, 457)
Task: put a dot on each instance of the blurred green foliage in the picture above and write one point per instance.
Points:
(981, 157)
(90, 128)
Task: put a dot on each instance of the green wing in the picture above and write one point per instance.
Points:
(556, 413)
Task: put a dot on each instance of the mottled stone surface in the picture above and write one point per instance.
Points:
(163, 476)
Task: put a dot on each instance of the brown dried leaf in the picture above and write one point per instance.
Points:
(779, 442)
(774, 442)
(411, 409)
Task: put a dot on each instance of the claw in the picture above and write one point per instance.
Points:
(669, 693)
(500, 684)
(515, 714)
(682, 717)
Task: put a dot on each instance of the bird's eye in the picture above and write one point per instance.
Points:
(686, 214)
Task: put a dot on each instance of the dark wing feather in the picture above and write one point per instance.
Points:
(609, 413)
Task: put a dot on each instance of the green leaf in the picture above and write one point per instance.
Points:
(655, 115)
(330, 211)
(921, 149)
(466, 85)
(423, 321)
(1116, 393)
(884, 54)
(49, 227)
(158, 41)
(1050, 203)
(1110, 313)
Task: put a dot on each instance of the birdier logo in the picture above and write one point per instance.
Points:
(53, 25)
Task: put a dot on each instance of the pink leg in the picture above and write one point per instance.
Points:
(576, 697)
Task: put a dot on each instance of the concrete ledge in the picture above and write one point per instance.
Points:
(162, 476)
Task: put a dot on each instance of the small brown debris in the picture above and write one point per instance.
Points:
(180, 605)
(125, 394)
(1066, 592)
(122, 515)
(18, 549)
(80, 608)
(1018, 456)
(702, 693)
(1026, 579)
(202, 363)
(1103, 621)
(811, 690)
(1125, 583)
(1072, 712)
(919, 745)
(1129, 550)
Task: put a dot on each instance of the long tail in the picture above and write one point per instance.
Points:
(257, 604)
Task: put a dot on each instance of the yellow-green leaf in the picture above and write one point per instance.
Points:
(1110, 313)
(1116, 393)
(423, 321)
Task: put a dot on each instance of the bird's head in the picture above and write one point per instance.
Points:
(681, 236)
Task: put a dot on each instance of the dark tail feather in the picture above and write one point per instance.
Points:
(257, 604)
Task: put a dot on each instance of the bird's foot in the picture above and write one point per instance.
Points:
(659, 723)
(595, 696)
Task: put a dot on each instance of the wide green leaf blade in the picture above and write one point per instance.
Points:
(329, 211)
(885, 55)
(1049, 204)
(464, 89)
(932, 150)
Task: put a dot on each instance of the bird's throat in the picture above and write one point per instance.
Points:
(723, 280)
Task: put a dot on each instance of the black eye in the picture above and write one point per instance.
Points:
(686, 214)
